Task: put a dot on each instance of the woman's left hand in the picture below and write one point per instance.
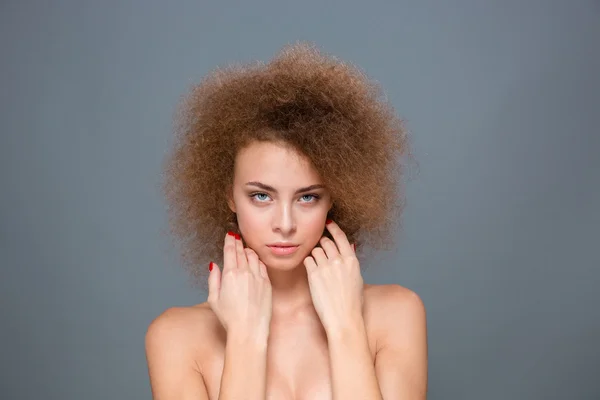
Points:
(335, 281)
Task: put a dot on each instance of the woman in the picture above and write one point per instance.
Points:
(280, 173)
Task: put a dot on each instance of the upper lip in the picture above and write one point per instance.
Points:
(282, 244)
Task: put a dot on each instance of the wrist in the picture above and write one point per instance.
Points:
(345, 329)
(256, 339)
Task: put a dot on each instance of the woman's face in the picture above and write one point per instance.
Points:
(280, 201)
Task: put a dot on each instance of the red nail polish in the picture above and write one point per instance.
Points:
(230, 233)
(210, 266)
(238, 237)
(328, 221)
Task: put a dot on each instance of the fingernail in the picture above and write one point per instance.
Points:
(237, 236)
(210, 266)
(328, 221)
(230, 233)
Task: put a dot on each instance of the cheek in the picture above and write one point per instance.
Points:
(315, 226)
(251, 224)
(313, 229)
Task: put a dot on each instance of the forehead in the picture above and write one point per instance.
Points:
(274, 164)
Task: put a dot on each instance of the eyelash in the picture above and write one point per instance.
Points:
(315, 196)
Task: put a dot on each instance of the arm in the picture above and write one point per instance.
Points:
(171, 345)
(241, 299)
(245, 369)
(337, 291)
(400, 370)
(352, 372)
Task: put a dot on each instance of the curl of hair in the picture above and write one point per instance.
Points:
(326, 109)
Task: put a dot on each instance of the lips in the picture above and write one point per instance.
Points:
(282, 249)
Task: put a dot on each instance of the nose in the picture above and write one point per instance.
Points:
(283, 220)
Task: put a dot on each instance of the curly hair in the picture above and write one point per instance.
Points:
(326, 109)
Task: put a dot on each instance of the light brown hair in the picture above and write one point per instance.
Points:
(326, 109)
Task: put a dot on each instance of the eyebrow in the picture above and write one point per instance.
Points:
(272, 189)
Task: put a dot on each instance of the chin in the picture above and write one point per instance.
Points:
(282, 264)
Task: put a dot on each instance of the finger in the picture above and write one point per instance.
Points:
(310, 264)
(340, 238)
(214, 283)
(252, 258)
(263, 271)
(319, 256)
(229, 252)
(242, 262)
(329, 247)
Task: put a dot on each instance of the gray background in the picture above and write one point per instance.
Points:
(500, 233)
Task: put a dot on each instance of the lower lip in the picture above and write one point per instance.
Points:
(283, 251)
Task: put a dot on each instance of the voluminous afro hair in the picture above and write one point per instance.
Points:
(326, 109)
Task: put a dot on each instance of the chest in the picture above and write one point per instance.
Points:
(297, 364)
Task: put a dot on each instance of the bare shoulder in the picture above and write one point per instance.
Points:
(195, 316)
(183, 323)
(183, 331)
(392, 295)
(177, 343)
(399, 327)
(393, 308)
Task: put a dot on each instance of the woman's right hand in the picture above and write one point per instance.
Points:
(240, 295)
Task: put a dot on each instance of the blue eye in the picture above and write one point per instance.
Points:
(263, 197)
(313, 196)
(254, 196)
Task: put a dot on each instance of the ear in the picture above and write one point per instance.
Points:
(231, 205)
(230, 201)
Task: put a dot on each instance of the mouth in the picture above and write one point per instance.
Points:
(283, 250)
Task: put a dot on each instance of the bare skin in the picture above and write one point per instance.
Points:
(297, 363)
(282, 343)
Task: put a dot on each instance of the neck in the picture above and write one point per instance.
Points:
(290, 291)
